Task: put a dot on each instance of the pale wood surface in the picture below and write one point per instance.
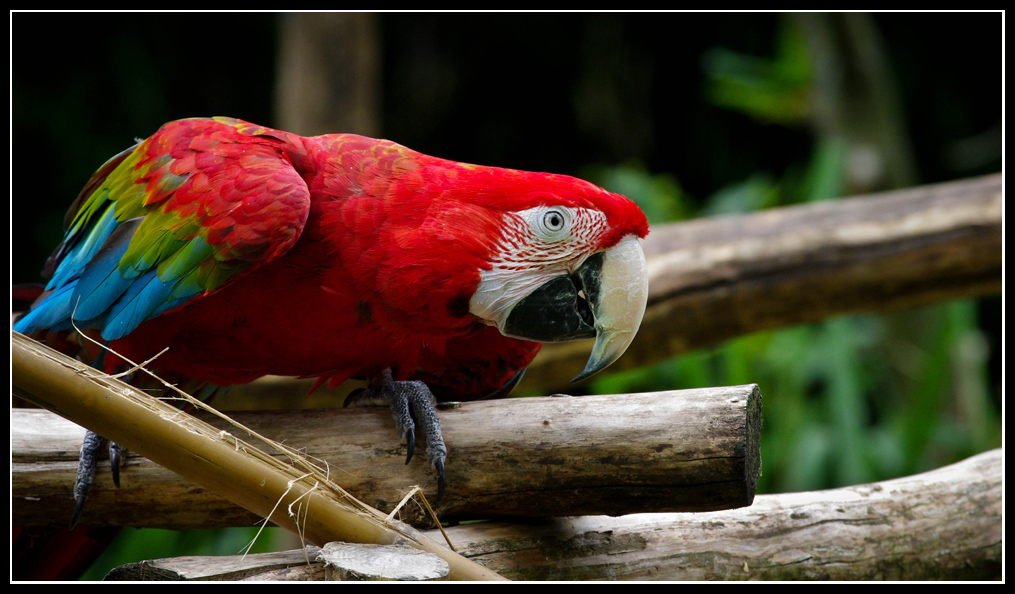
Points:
(297, 565)
(380, 563)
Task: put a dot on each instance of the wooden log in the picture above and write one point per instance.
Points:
(336, 561)
(940, 525)
(298, 565)
(684, 450)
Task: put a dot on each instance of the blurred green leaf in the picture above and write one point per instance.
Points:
(769, 90)
(139, 544)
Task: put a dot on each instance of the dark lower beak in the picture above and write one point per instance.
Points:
(605, 298)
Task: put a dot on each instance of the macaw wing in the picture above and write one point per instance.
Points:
(169, 220)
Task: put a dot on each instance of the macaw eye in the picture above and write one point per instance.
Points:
(553, 220)
(549, 223)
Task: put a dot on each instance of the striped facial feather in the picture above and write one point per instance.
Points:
(537, 244)
(548, 235)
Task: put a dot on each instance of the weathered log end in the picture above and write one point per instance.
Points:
(381, 563)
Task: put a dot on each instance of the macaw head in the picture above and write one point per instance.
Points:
(542, 257)
(567, 264)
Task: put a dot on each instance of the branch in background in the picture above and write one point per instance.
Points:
(685, 450)
(328, 73)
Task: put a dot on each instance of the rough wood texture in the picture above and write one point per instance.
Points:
(380, 563)
(298, 565)
(940, 525)
(685, 450)
(335, 561)
(714, 279)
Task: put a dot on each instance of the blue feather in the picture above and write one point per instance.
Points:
(79, 255)
(101, 283)
(53, 312)
(145, 298)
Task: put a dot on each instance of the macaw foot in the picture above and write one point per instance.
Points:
(411, 402)
(87, 462)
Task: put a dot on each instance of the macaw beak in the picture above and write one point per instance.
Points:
(604, 298)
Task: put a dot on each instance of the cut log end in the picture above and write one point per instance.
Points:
(366, 562)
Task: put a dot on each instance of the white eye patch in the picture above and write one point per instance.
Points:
(549, 223)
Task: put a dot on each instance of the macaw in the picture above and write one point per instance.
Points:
(250, 251)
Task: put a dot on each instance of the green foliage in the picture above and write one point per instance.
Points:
(773, 90)
(134, 545)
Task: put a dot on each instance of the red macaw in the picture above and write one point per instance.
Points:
(251, 251)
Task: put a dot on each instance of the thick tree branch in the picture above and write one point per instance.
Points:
(687, 450)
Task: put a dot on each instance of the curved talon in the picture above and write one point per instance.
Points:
(88, 459)
(79, 504)
(412, 403)
(441, 481)
(410, 445)
(352, 397)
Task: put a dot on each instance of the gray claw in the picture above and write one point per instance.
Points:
(87, 461)
(413, 404)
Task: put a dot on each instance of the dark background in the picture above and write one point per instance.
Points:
(549, 92)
